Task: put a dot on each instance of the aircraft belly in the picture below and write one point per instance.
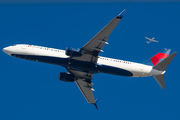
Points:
(44, 59)
(114, 70)
(132, 70)
(83, 66)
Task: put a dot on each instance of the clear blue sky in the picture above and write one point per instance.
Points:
(31, 90)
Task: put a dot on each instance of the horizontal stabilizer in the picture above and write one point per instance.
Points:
(164, 63)
(160, 80)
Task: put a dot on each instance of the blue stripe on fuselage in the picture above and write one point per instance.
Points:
(76, 65)
(44, 59)
(114, 70)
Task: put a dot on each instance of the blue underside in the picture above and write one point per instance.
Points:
(76, 65)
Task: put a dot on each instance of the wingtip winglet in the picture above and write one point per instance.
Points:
(120, 16)
(95, 105)
(97, 100)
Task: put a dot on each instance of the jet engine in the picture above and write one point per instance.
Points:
(66, 77)
(73, 52)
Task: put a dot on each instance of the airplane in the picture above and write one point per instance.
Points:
(151, 40)
(83, 63)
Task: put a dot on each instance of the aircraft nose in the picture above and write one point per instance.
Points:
(6, 50)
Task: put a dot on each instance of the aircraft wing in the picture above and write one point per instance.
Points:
(90, 53)
(96, 44)
(86, 88)
(151, 39)
(155, 41)
(148, 38)
(85, 85)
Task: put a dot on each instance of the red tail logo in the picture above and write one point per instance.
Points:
(155, 59)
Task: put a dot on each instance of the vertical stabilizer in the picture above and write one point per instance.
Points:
(160, 80)
(161, 66)
(164, 63)
(158, 57)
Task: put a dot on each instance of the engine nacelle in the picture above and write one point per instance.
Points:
(66, 77)
(73, 52)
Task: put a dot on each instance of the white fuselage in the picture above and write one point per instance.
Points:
(24, 50)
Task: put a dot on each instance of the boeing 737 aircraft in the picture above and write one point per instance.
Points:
(83, 63)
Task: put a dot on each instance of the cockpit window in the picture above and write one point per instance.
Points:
(13, 45)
